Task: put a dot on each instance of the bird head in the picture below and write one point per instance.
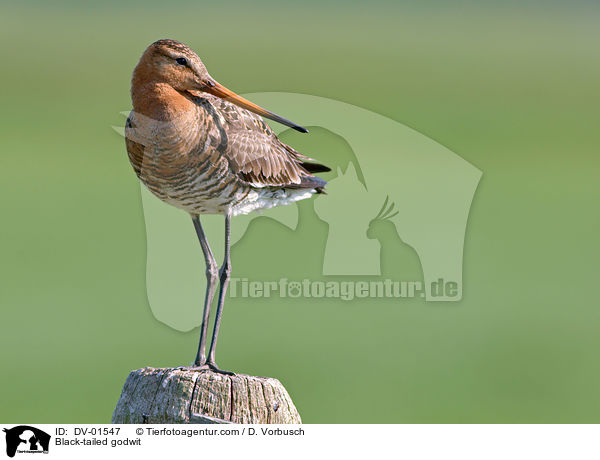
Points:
(176, 64)
(173, 63)
(381, 219)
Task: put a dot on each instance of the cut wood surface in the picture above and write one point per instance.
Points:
(188, 395)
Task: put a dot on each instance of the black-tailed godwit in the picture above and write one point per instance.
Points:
(202, 148)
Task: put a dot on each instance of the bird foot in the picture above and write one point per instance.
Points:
(208, 366)
(213, 367)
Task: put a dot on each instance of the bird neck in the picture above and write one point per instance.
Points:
(158, 100)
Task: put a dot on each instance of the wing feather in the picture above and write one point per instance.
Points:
(256, 154)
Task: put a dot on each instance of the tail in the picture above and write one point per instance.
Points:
(319, 184)
(313, 181)
(310, 182)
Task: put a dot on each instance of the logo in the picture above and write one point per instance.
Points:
(392, 226)
(26, 439)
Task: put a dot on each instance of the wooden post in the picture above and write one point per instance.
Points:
(186, 395)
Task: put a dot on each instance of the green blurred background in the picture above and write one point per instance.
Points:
(511, 87)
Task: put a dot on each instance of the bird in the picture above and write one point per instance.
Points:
(202, 148)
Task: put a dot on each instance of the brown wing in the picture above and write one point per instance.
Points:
(258, 156)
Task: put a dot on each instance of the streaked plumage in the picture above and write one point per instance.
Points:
(210, 155)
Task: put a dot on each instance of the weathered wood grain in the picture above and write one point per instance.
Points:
(188, 395)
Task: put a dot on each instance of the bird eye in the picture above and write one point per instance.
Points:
(181, 61)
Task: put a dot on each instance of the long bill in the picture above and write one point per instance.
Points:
(220, 91)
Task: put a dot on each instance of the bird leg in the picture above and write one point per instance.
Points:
(224, 275)
(211, 283)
